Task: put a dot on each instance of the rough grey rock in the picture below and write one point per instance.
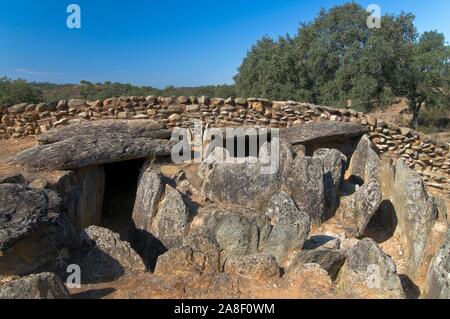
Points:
(95, 143)
(199, 255)
(136, 128)
(415, 209)
(288, 234)
(18, 108)
(36, 286)
(365, 161)
(237, 231)
(334, 164)
(357, 209)
(107, 256)
(33, 227)
(150, 192)
(303, 180)
(368, 268)
(171, 223)
(438, 280)
(279, 204)
(76, 103)
(329, 259)
(241, 184)
(81, 193)
(322, 132)
(258, 266)
(16, 178)
(91, 187)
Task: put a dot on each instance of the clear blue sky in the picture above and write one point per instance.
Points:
(158, 43)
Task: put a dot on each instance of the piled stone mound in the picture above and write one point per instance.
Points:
(429, 158)
(228, 229)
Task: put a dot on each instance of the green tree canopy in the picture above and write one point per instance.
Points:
(18, 91)
(338, 60)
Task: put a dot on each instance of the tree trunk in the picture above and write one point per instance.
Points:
(415, 118)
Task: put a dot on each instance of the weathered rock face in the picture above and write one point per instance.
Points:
(357, 209)
(242, 184)
(288, 234)
(238, 232)
(33, 228)
(280, 204)
(149, 193)
(438, 281)
(36, 286)
(136, 128)
(199, 255)
(81, 193)
(171, 223)
(254, 267)
(91, 185)
(369, 271)
(414, 208)
(100, 142)
(365, 161)
(329, 259)
(107, 256)
(334, 164)
(303, 180)
(308, 133)
(12, 179)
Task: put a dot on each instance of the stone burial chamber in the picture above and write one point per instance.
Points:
(114, 203)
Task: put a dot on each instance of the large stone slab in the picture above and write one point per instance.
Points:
(33, 229)
(95, 143)
(322, 132)
(438, 281)
(36, 286)
(414, 208)
(136, 128)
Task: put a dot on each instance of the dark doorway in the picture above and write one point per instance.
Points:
(121, 181)
(383, 223)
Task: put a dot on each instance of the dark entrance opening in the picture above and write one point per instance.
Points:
(383, 223)
(121, 181)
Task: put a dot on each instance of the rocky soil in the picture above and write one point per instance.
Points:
(350, 213)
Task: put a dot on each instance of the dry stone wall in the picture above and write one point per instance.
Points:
(429, 158)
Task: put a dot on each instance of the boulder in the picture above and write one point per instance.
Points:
(106, 255)
(13, 178)
(257, 267)
(18, 108)
(369, 272)
(238, 231)
(303, 180)
(33, 229)
(438, 280)
(329, 259)
(322, 132)
(198, 256)
(171, 222)
(357, 209)
(334, 164)
(76, 103)
(81, 193)
(289, 233)
(95, 143)
(35, 286)
(243, 184)
(150, 192)
(365, 162)
(414, 208)
(279, 204)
